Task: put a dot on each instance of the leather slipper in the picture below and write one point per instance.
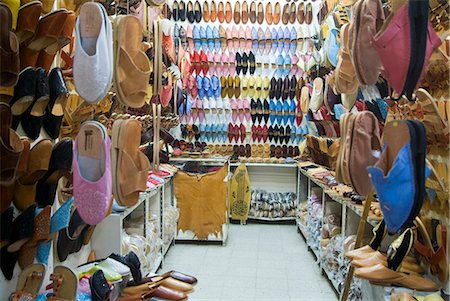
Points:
(9, 46)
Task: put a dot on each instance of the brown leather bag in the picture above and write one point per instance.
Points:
(365, 141)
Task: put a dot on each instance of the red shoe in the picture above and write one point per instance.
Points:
(264, 134)
(242, 132)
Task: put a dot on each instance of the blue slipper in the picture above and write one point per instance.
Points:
(272, 110)
(197, 39)
(279, 110)
(292, 108)
(286, 112)
(274, 41)
(210, 38)
(216, 38)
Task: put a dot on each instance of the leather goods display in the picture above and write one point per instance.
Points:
(399, 175)
(365, 143)
(240, 194)
(393, 41)
(368, 17)
(201, 199)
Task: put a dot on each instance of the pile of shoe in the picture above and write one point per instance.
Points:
(331, 227)
(170, 218)
(315, 213)
(272, 205)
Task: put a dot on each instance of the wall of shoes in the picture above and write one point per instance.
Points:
(247, 65)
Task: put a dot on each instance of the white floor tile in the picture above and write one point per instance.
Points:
(259, 262)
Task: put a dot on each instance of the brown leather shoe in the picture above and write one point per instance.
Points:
(301, 13)
(237, 12)
(213, 11)
(228, 12)
(27, 20)
(244, 17)
(221, 12)
(276, 13)
(9, 49)
(230, 86)
(383, 275)
(376, 258)
(48, 29)
(293, 11)
(269, 13)
(252, 13)
(237, 86)
(260, 14)
(47, 55)
(285, 15)
(308, 13)
(206, 12)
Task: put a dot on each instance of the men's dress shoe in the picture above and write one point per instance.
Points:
(237, 12)
(197, 12)
(221, 12)
(383, 275)
(206, 12)
(244, 16)
(260, 14)
(190, 12)
(252, 12)
(269, 13)
(301, 13)
(228, 12)
(292, 13)
(276, 13)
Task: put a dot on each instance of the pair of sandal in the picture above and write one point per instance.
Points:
(65, 283)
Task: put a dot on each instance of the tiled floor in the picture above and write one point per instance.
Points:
(259, 262)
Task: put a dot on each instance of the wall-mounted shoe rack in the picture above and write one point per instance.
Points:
(109, 234)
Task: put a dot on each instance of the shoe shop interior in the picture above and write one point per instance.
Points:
(224, 150)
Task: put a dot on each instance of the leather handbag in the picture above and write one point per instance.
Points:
(365, 141)
(393, 44)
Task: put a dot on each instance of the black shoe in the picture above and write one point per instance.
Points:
(287, 134)
(60, 165)
(259, 111)
(292, 87)
(270, 135)
(182, 10)
(197, 12)
(279, 88)
(24, 94)
(190, 12)
(276, 133)
(286, 89)
(238, 63)
(245, 63)
(281, 134)
(33, 117)
(58, 95)
(253, 110)
(273, 87)
(175, 11)
(251, 62)
(266, 111)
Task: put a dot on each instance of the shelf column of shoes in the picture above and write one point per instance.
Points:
(109, 234)
(350, 215)
(272, 177)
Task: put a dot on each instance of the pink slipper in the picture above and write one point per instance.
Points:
(232, 64)
(91, 165)
(229, 39)
(248, 38)
(190, 37)
(242, 38)
(248, 116)
(225, 61)
(235, 34)
(218, 64)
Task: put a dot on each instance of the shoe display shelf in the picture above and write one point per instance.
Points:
(332, 203)
(109, 234)
(189, 236)
(168, 226)
(271, 177)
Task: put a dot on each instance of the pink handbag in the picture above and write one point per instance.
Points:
(392, 43)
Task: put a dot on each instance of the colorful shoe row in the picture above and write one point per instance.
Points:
(255, 12)
(263, 42)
